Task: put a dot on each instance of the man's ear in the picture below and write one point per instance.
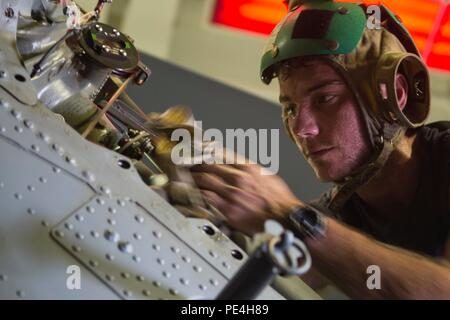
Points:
(401, 88)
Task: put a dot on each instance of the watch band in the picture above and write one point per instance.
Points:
(308, 223)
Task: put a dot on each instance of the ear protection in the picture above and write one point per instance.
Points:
(413, 68)
(418, 106)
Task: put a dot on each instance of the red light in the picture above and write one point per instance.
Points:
(439, 52)
(428, 21)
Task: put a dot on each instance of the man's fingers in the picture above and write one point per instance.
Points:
(207, 181)
(231, 175)
(214, 199)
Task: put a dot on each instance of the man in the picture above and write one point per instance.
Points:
(354, 100)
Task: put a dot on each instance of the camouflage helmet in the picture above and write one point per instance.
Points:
(368, 55)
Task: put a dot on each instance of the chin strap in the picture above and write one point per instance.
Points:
(343, 190)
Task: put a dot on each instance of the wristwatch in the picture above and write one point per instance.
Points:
(307, 222)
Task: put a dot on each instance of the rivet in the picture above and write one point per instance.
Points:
(76, 248)
(106, 49)
(186, 259)
(31, 188)
(88, 176)
(110, 257)
(4, 104)
(90, 209)
(121, 203)
(226, 265)
(173, 292)
(125, 247)
(112, 210)
(42, 180)
(127, 293)
(137, 236)
(112, 236)
(59, 150)
(16, 114)
(213, 254)
(19, 129)
(137, 258)
(111, 221)
(176, 266)
(139, 218)
(3, 277)
(197, 269)
(79, 218)
(184, 281)
(160, 261)
(56, 170)
(202, 287)
(35, 148)
(166, 274)
(2, 129)
(95, 234)
(332, 45)
(343, 10)
(59, 233)
(125, 275)
(157, 234)
(93, 263)
(156, 247)
(175, 249)
(68, 226)
(156, 283)
(44, 137)
(100, 201)
(146, 293)
(18, 196)
(140, 278)
(28, 124)
(20, 293)
(79, 236)
(214, 282)
(71, 161)
(31, 212)
(105, 189)
(109, 277)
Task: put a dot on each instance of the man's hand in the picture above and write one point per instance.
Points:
(245, 196)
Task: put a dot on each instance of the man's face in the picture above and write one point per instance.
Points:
(324, 119)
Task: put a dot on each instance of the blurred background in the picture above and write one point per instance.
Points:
(205, 54)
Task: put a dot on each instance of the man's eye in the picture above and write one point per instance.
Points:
(326, 98)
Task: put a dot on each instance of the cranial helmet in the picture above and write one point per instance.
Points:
(368, 54)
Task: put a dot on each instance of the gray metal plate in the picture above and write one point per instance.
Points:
(50, 176)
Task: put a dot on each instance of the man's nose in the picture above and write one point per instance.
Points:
(305, 125)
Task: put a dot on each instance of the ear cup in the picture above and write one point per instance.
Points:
(417, 108)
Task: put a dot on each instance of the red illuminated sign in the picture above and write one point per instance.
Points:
(428, 21)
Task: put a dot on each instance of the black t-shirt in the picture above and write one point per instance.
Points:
(426, 223)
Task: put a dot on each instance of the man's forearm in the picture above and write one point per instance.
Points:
(345, 254)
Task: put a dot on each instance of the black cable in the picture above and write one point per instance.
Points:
(37, 67)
